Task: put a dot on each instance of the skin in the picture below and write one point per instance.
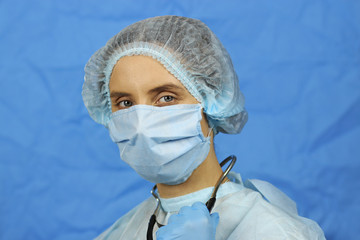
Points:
(143, 80)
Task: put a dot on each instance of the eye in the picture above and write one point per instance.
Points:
(166, 99)
(125, 104)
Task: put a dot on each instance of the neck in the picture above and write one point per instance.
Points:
(206, 175)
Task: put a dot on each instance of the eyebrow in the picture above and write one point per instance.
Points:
(165, 87)
(162, 88)
(119, 94)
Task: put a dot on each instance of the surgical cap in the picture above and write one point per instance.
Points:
(189, 50)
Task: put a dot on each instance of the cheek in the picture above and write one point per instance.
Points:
(113, 108)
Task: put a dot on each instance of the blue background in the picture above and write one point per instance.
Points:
(298, 64)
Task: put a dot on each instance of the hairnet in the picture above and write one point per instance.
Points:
(189, 50)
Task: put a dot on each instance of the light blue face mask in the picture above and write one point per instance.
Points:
(162, 144)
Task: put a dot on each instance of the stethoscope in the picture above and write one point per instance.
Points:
(209, 204)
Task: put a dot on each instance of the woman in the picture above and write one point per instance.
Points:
(164, 87)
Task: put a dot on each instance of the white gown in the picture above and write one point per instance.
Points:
(255, 210)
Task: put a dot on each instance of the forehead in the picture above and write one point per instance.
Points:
(142, 72)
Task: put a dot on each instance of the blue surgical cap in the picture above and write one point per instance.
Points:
(189, 50)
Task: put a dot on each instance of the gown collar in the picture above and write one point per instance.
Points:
(203, 195)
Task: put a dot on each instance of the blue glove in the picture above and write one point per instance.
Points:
(193, 222)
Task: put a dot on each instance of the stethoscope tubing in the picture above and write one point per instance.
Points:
(209, 204)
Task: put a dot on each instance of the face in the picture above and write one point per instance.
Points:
(143, 80)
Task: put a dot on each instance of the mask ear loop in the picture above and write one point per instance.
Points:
(209, 133)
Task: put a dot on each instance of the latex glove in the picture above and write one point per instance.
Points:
(193, 222)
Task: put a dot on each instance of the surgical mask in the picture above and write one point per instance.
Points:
(162, 144)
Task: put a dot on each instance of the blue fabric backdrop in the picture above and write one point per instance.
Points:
(299, 67)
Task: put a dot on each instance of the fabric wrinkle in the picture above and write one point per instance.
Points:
(244, 214)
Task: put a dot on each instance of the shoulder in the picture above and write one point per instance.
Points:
(130, 222)
(247, 215)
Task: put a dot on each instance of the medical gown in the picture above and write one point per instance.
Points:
(247, 214)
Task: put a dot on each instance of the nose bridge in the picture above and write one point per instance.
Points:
(140, 128)
(148, 124)
(142, 116)
(144, 100)
(141, 97)
(136, 126)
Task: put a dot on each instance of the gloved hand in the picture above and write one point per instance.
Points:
(193, 222)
